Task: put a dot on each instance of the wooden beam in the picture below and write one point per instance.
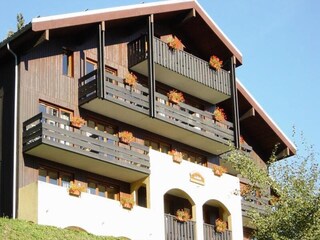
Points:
(190, 14)
(44, 37)
(250, 113)
(284, 153)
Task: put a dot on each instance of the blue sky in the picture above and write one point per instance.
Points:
(279, 40)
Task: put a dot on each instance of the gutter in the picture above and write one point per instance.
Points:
(15, 130)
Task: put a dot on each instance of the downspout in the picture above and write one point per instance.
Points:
(15, 130)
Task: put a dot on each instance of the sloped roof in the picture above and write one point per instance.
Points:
(132, 11)
(261, 127)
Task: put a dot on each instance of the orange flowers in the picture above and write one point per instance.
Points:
(175, 96)
(219, 115)
(215, 62)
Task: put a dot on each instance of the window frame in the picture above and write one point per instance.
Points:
(68, 63)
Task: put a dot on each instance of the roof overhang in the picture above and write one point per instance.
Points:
(260, 126)
(138, 11)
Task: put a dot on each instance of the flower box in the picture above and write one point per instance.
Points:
(77, 122)
(176, 156)
(76, 189)
(183, 215)
(215, 62)
(219, 170)
(219, 115)
(131, 79)
(174, 43)
(175, 97)
(221, 226)
(126, 201)
(126, 137)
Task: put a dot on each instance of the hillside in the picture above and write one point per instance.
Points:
(23, 230)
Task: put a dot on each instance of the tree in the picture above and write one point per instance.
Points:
(294, 210)
(20, 24)
(20, 21)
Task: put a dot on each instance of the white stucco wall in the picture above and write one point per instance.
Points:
(103, 216)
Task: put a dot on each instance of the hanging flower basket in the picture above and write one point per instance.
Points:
(176, 156)
(215, 62)
(76, 189)
(77, 122)
(219, 115)
(175, 96)
(131, 79)
(126, 137)
(175, 43)
(126, 201)
(219, 170)
(182, 215)
(221, 226)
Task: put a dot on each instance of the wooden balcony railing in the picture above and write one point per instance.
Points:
(193, 119)
(175, 230)
(209, 233)
(56, 132)
(137, 98)
(251, 203)
(180, 62)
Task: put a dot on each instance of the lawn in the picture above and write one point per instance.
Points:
(23, 230)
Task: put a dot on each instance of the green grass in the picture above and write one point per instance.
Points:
(23, 230)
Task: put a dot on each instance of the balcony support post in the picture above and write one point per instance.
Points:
(151, 68)
(235, 104)
(100, 67)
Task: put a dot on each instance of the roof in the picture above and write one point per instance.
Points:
(261, 127)
(133, 11)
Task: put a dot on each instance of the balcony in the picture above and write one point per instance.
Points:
(52, 138)
(178, 230)
(180, 70)
(182, 122)
(253, 204)
(211, 234)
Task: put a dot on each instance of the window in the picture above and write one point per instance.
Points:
(67, 63)
(54, 177)
(90, 65)
(111, 70)
(103, 189)
(142, 196)
(157, 145)
(102, 126)
(193, 157)
(55, 111)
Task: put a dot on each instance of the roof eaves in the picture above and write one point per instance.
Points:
(218, 28)
(15, 35)
(107, 10)
(266, 117)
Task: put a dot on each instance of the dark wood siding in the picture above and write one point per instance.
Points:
(7, 72)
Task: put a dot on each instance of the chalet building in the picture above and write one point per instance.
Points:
(131, 108)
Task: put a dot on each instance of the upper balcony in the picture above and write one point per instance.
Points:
(180, 70)
(180, 122)
(53, 138)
